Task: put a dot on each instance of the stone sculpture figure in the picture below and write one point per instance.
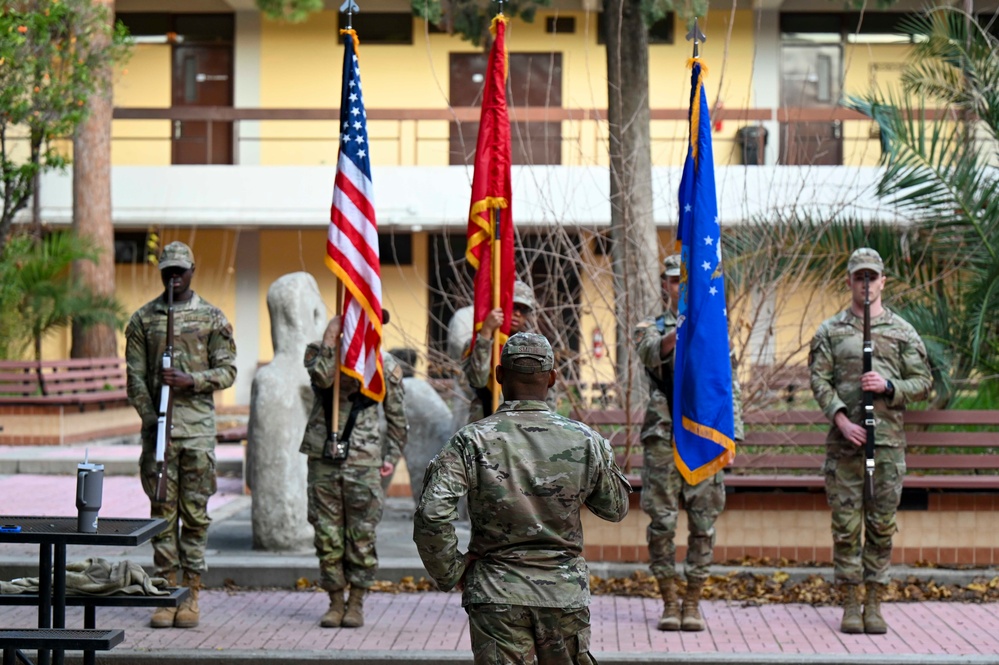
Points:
(280, 401)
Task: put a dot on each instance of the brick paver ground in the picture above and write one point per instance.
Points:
(288, 621)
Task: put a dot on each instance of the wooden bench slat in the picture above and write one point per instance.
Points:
(947, 469)
(69, 382)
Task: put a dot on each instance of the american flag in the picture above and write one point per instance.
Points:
(352, 242)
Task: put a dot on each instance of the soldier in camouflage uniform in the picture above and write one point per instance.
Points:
(346, 498)
(527, 472)
(900, 374)
(478, 357)
(662, 484)
(204, 357)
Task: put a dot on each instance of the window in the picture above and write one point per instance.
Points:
(851, 27)
(130, 247)
(561, 25)
(395, 249)
(381, 27)
(660, 32)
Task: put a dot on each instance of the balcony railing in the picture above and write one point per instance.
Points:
(423, 137)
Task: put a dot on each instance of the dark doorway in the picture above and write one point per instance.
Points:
(548, 261)
(811, 80)
(535, 79)
(202, 76)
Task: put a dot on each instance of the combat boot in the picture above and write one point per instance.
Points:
(334, 615)
(670, 619)
(874, 623)
(163, 616)
(691, 614)
(188, 613)
(852, 623)
(354, 618)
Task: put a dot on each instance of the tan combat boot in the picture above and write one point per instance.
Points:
(874, 623)
(334, 615)
(354, 618)
(691, 614)
(188, 613)
(163, 616)
(852, 623)
(670, 620)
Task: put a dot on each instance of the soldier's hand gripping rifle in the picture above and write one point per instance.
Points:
(164, 414)
(868, 395)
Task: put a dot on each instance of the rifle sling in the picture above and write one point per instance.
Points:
(358, 401)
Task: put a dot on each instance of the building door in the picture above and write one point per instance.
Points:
(202, 76)
(811, 84)
(535, 79)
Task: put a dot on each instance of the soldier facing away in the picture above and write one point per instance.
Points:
(346, 498)
(862, 531)
(662, 484)
(527, 472)
(204, 356)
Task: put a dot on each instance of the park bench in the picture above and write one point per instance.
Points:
(947, 449)
(83, 383)
(12, 641)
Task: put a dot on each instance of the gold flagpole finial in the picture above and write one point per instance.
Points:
(697, 36)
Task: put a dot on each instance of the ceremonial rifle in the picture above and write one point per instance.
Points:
(868, 395)
(164, 416)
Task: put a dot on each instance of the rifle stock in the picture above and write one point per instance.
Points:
(868, 395)
(164, 415)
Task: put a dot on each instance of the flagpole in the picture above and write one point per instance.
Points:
(335, 424)
(494, 257)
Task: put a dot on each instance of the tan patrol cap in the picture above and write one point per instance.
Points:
(523, 295)
(176, 255)
(527, 345)
(865, 258)
(671, 266)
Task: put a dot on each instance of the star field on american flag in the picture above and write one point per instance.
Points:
(354, 128)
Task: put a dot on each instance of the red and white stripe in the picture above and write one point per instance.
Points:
(352, 250)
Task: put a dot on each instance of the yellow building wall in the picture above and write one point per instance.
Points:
(404, 288)
(300, 67)
(144, 80)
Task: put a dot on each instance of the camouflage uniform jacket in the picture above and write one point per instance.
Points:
(658, 422)
(203, 347)
(476, 367)
(365, 440)
(836, 362)
(527, 472)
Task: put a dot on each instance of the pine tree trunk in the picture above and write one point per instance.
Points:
(635, 253)
(92, 208)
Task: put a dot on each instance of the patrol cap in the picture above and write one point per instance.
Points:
(865, 258)
(527, 353)
(176, 255)
(671, 266)
(523, 295)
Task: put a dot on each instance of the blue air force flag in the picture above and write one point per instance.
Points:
(703, 421)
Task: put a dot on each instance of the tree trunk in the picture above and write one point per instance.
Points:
(92, 205)
(635, 253)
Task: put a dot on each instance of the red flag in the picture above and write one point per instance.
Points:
(352, 242)
(490, 218)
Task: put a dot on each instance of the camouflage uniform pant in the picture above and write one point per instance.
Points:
(662, 489)
(519, 634)
(345, 505)
(190, 469)
(867, 561)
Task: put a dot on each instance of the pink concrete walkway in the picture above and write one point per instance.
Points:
(287, 621)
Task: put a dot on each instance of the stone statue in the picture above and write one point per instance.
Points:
(280, 401)
(459, 335)
(429, 429)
